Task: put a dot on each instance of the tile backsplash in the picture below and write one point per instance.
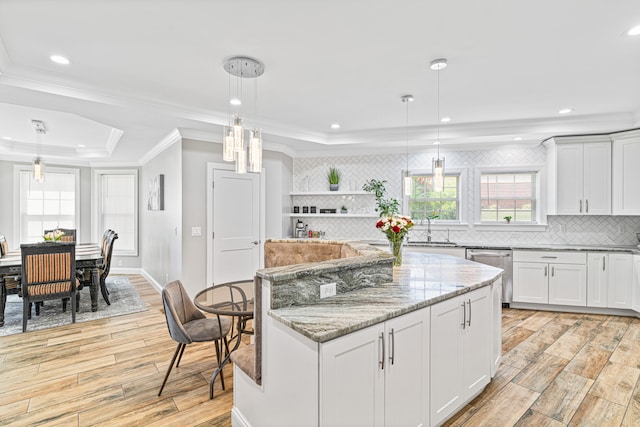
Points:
(309, 174)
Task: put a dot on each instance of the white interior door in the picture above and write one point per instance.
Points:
(236, 226)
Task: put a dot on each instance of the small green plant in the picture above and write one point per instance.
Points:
(333, 176)
(385, 207)
(344, 208)
(507, 218)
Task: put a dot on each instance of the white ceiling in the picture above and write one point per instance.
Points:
(141, 69)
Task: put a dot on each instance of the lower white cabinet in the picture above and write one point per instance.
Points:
(547, 277)
(377, 376)
(597, 279)
(496, 326)
(620, 277)
(635, 292)
(461, 351)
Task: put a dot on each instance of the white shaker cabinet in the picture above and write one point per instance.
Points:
(461, 351)
(597, 279)
(377, 376)
(620, 283)
(579, 176)
(635, 293)
(547, 277)
(496, 326)
(626, 173)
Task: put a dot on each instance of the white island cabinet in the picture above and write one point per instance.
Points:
(377, 376)
(461, 351)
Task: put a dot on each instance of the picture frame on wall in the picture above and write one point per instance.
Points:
(155, 201)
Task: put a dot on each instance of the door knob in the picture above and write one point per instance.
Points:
(255, 242)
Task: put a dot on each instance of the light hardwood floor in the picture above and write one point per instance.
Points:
(558, 369)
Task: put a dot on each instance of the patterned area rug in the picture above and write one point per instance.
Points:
(124, 300)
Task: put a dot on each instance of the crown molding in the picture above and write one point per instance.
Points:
(166, 142)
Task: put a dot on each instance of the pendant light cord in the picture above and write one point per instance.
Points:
(438, 115)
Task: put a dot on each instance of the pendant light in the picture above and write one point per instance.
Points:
(38, 164)
(437, 164)
(233, 146)
(407, 178)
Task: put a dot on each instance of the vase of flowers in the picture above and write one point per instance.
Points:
(53, 236)
(395, 227)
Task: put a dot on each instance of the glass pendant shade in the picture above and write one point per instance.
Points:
(438, 174)
(38, 169)
(241, 161)
(255, 151)
(407, 185)
(238, 134)
(228, 145)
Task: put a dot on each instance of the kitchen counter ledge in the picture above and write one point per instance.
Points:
(422, 280)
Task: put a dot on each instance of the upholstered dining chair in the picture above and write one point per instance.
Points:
(68, 236)
(48, 273)
(187, 325)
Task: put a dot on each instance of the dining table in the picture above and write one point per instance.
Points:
(88, 258)
(231, 299)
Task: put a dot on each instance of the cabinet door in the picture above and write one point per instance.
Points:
(620, 278)
(568, 284)
(626, 175)
(352, 381)
(636, 284)
(597, 178)
(476, 344)
(407, 370)
(446, 359)
(597, 280)
(569, 179)
(496, 327)
(530, 282)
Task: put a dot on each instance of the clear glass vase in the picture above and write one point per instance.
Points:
(396, 250)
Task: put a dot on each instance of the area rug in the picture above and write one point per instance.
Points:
(124, 300)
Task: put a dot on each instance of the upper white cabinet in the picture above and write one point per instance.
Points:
(579, 175)
(626, 173)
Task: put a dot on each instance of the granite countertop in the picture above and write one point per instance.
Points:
(422, 280)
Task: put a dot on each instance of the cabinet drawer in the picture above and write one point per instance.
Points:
(555, 257)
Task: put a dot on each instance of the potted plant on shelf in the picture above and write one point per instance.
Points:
(508, 219)
(334, 179)
(343, 209)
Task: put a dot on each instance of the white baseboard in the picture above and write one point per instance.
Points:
(157, 286)
(125, 270)
(237, 420)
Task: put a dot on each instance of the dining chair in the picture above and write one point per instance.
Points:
(106, 245)
(4, 246)
(48, 273)
(187, 325)
(69, 234)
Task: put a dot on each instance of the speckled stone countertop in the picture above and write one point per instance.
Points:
(422, 280)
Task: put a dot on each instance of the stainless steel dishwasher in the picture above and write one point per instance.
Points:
(501, 258)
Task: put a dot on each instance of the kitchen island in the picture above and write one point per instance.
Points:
(412, 351)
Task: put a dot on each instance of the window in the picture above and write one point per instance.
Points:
(424, 202)
(45, 205)
(508, 194)
(117, 208)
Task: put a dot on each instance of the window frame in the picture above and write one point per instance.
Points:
(540, 213)
(17, 214)
(462, 203)
(98, 228)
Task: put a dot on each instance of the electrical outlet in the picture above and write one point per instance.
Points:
(196, 231)
(327, 290)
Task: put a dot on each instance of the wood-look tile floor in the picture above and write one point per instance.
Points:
(558, 369)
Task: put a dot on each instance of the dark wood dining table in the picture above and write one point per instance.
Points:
(88, 257)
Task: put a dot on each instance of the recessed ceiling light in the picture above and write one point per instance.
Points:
(8, 138)
(445, 119)
(335, 126)
(635, 31)
(517, 138)
(81, 146)
(565, 111)
(235, 101)
(59, 59)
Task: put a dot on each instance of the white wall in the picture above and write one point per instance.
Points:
(161, 231)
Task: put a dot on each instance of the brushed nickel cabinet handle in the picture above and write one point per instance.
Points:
(469, 321)
(580, 206)
(545, 271)
(587, 203)
(464, 315)
(553, 271)
(392, 337)
(381, 337)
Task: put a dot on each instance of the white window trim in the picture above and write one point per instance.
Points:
(96, 208)
(462, 191)
(16, 193)
(541, 198)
